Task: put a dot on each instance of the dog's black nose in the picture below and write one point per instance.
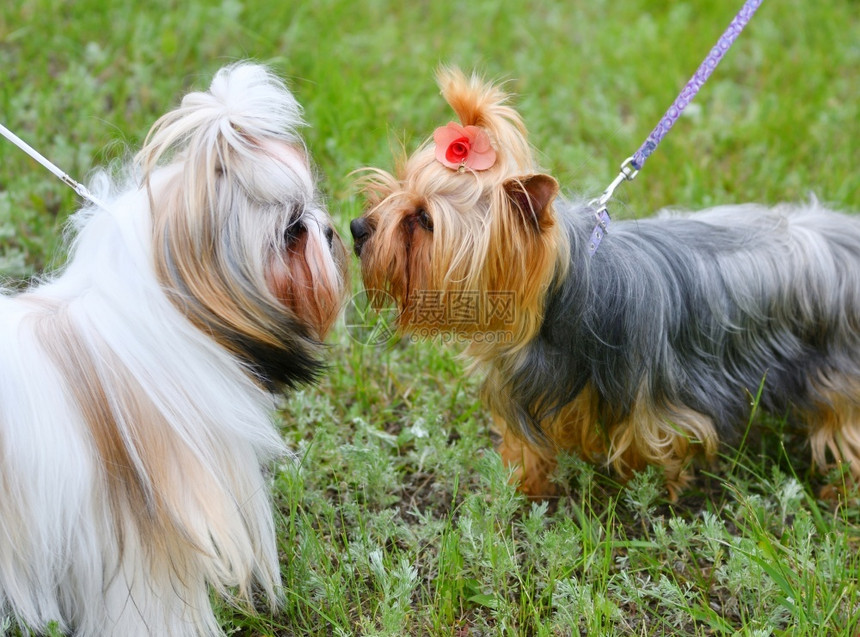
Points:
(360, 230)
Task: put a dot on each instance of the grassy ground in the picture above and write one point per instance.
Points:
(398, 520)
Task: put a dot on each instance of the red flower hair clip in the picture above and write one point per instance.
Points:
(461, 147)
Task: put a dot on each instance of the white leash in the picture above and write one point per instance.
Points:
(71, 183)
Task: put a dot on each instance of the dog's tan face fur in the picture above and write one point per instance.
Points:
(431, 230)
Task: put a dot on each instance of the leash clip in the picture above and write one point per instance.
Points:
(627, 172)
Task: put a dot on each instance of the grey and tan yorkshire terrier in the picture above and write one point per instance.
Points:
(648, 352)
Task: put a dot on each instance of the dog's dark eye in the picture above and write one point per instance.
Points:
(424, 219)
(293, 231)
(294, 226)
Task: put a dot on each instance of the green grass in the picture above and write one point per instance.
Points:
(399, 520)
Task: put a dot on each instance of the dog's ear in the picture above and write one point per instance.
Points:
(532, 195)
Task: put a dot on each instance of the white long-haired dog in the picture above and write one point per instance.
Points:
(136, 384)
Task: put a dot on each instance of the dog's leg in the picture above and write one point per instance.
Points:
(668, 438)
(835, 436)
(532, 466)
(572, 428)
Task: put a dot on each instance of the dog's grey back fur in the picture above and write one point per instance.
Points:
(697, 310)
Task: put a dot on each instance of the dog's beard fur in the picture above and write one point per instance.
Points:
(652, 350)
(135, 397)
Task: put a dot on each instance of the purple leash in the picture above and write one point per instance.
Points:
(632, 165)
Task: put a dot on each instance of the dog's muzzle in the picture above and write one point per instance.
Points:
(360, 230)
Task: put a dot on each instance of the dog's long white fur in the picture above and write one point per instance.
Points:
(71, 549)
